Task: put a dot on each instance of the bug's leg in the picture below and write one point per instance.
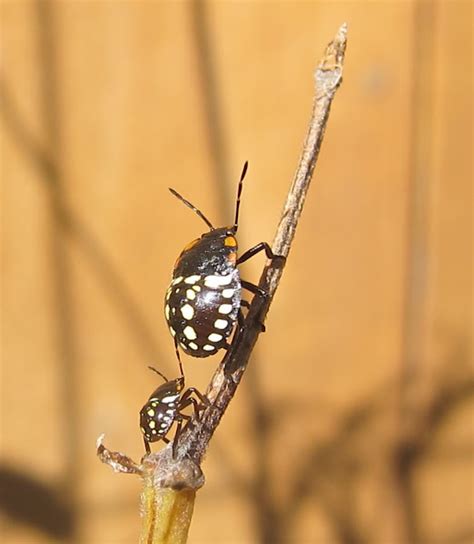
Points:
(176, 436)
(262, 246)
(241, 319)
(189, 400)
(188, 420)
(204, 400)
(147, 444)
(255, 289)
(185, 401)
(262, 326)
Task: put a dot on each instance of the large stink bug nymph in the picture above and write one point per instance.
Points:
(203, 301)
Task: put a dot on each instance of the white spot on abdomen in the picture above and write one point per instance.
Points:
(220, 323)
(217, 281)
(227, 293)
(190, 333)
(187, 311)
(192, 279)
(225, 309)
(169, 398)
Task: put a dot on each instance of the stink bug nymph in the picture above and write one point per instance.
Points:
(165, 406)
(203, 301)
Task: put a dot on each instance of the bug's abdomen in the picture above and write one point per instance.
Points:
(201, 311)
(156, 418)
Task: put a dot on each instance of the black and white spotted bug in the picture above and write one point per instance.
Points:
(203, 301)
(165, 406)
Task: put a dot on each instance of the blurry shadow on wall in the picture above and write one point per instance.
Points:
(105, 271)
(331, 472)
(54, 509)
(25, 500)
(216, 133)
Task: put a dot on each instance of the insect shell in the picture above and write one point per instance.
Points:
(165, 406)
(160, 411)
(203, 301)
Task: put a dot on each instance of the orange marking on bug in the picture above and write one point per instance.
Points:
(230, 241)
(232, 257)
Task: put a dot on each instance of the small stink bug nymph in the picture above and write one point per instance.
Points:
(203, 301)
(165, 406)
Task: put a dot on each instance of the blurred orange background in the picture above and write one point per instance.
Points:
(354, 422)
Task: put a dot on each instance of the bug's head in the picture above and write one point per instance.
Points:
(214, 252)
(219, 248)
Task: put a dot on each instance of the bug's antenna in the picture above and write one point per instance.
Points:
(239, 192)
(159, 373)
(195, 210)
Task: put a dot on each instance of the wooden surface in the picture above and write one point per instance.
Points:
(355, 422)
